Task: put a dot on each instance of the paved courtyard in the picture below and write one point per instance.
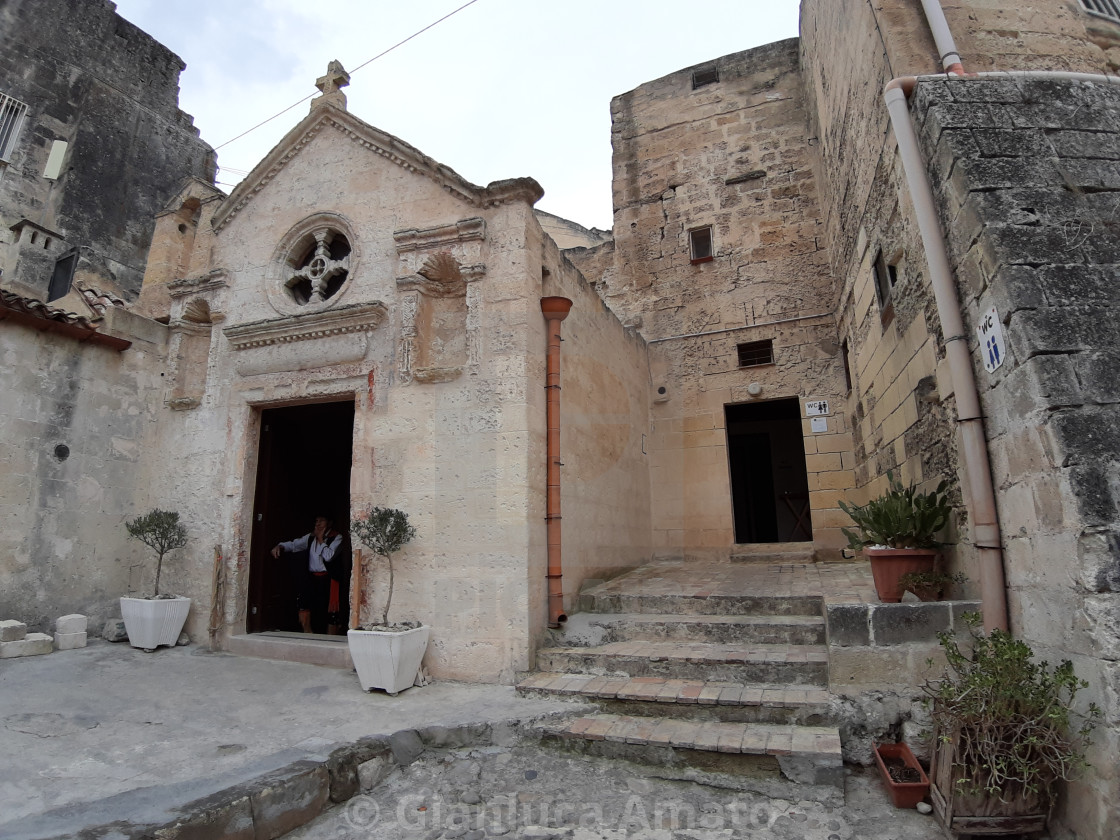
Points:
(109, 733)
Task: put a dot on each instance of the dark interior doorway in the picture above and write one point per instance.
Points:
(303, 468)
(769, 484)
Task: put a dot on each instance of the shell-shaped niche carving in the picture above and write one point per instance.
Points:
(197, 311)
(444, 276)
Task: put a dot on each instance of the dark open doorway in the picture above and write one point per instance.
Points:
(769, 484)
(303, 468)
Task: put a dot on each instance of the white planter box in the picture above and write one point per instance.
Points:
(151, 623)
(387, 660)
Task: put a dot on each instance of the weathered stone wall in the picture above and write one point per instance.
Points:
(75, 422)
(604, 419)
(737, 155)
(443, 363)
(901, 401)
(91, 79)
(1027, 176)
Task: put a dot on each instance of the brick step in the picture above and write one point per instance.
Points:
(695, 699)
(601, 600)
(599, 628)
(784, 664)
(803, 754)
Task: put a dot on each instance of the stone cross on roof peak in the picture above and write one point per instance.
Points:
(331, 84)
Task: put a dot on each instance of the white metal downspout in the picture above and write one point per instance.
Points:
(978, 471)
(942, 37)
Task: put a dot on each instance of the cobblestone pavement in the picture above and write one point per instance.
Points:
(527, 792)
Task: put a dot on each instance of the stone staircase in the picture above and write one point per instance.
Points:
(735, 685)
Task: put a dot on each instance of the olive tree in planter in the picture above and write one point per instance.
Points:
(386, 655)
(1006, 731)
(897, 532)
(158, 619)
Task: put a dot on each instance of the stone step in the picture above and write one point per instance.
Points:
(598, 628)
(772, 553)
(309, 648)
(803, 754)
(604, 600)
(784, 664)
(755, 702)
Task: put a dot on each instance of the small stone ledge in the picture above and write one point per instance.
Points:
(877, 625)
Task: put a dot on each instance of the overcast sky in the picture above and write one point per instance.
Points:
(503, 89)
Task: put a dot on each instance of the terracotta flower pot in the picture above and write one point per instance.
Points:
(903, 794)
(888, 565)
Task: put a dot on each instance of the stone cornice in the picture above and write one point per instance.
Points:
(381, 143)
(360, 317)
(464, 230)
(182, 287)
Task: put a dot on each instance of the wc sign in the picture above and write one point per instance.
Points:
(992, 346)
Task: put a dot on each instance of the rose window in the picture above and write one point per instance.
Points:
(321, 269)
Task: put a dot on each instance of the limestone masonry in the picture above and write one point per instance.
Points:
(761, 335)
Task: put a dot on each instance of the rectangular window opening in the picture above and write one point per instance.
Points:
(12, 113)
(846, 353)
(704, 77)
(755, 353)
(700, 245)
(63, 276)
(1109, 9)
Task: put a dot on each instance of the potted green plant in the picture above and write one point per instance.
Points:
(1006, 731)
(385, 655)
(157, 619)
(897, 532)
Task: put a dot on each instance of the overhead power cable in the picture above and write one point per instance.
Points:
(352, 72)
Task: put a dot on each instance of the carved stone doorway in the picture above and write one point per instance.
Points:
(303, 469)
(769, 483)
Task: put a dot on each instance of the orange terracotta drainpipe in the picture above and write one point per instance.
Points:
(555, 310)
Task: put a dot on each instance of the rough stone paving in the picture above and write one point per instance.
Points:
(526, 792)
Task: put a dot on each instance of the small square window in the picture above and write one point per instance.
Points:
(755, 353)
(12, 112)
(847, 357)
(1109, 9)
(700, 245)
(886, 276)
(704, 77)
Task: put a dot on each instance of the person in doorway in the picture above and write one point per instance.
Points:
(315, 586)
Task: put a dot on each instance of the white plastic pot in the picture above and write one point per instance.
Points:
(387, 660)
(151, 623)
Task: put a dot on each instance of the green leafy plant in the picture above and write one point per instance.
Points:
(386, 531)
(929, 586)
(1010, 719)
(900, 518)
(161, 531)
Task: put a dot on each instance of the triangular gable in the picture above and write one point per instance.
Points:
(327, 117)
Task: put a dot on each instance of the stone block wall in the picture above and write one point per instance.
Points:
(604, 402)
(1028, 175)
(91, 80)
(736, 155)
(75, 422)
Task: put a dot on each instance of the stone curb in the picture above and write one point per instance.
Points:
(277, 802)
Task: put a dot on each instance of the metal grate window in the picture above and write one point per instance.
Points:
(12, 112)
(1104, 8)
(755, 353)
(701, 78)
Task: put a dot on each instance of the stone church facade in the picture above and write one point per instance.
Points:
(761, 335)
